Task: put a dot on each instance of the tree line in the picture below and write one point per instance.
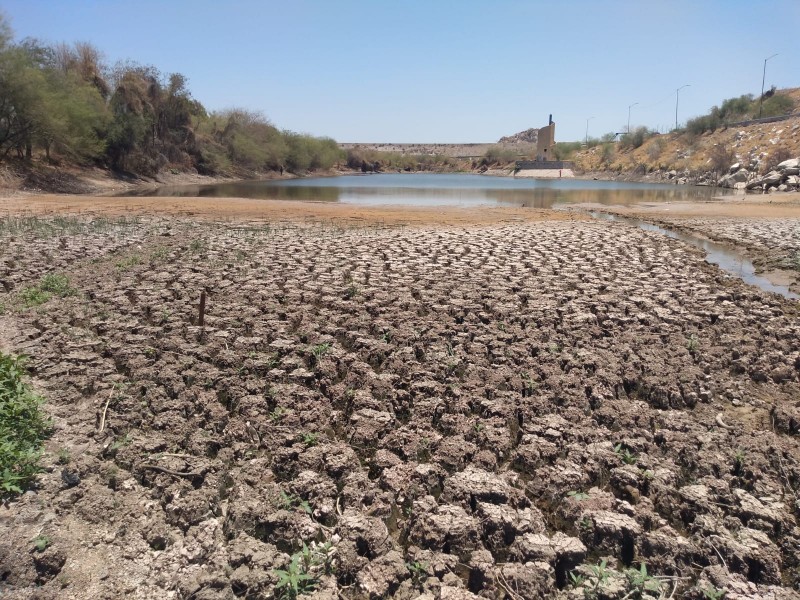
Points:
(63, 102)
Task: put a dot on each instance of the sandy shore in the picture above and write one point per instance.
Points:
(234, 208)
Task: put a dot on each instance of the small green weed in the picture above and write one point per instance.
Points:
(129, 261)
(295, 580)
(197, 246)
(301, 575)
(23, 427)
(159, 254)
(277, 414)
(64, 457)
(628, 457)
(738, 462)
(53, 284)
(641, 581)
(692, 345)
(309, 439)
(712, 593)
(576, 495)
(319, 351)
(120, 442)
(600, 573)
(418, 570)
(41, 543)
(290, 501)
(576, 579)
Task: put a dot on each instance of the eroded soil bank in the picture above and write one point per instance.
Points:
(445, 411)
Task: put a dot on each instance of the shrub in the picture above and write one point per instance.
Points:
(636, 138)
(608, 153)
(565, 150)
(23, 427)
(722, 157)
(776, 157)
(497, 155)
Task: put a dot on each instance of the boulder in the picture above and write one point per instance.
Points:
(773, 178)
(792, 163)
(735, 167)
(740, 176)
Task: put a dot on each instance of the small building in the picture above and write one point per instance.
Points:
(546, 141)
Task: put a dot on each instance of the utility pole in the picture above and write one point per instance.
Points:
(677, 95)
(763, 77)
(629, 116)
(586, 142)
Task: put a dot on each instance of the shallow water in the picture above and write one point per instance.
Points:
(442, 189)
(725, 257)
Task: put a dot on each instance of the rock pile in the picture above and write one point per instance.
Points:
(784, 178)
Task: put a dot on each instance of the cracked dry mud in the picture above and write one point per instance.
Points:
(773, 244)
(484, 412)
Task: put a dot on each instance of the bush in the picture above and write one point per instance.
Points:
(777, 105)
(636, 138)
(608, 153)
(775, 158)
(23, 427)
(565, 150)
(497, 155)
(722, 157)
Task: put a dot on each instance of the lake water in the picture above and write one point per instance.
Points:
(434, 189)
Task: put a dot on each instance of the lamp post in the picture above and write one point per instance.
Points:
(763, 77)
(629, 115)
(677, 96)
(586, 141)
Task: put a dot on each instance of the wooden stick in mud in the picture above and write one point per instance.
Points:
(201, 320)
(171, 472)
(105, 409)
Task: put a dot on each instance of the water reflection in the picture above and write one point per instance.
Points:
(428, 189)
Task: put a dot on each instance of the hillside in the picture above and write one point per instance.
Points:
(760, 145)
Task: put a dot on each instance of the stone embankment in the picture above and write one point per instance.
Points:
(785, 177)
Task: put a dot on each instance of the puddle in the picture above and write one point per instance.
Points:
(720, 255)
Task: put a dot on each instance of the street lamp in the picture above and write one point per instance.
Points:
(629, 115)
(587, 131)
(763, 77)
(677, 95)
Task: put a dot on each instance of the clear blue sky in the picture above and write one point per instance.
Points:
(442, 71)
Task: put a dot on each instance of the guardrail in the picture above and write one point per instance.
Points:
(764, 120)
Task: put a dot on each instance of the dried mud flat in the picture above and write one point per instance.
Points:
(518, 410)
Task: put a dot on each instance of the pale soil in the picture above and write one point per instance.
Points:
(544, 173)
(236, 208)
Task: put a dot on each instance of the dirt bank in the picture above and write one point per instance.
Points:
(503, 411)
(272, 210)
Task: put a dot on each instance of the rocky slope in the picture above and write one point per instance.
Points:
(758, 146)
